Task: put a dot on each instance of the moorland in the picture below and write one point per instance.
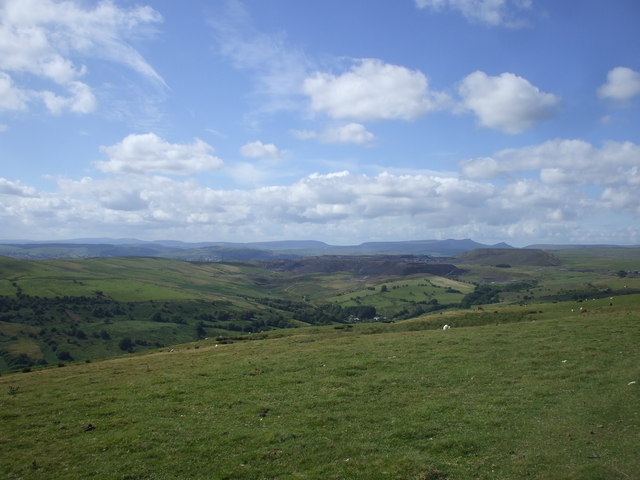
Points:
(323, 367)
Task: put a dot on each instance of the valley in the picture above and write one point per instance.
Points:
(251, 370)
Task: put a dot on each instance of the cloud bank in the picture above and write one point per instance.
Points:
(540, 191)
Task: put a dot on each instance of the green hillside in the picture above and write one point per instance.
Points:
(60, 311)
(237, 371)
(83, 309)
(551, 396)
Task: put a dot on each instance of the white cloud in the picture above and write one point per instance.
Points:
(489, 12)
(11, 97)
(349, 133)
(149, 153)
(17, 188)
(556, 191)
(325, 206)
(373, 90)
(622, 84)
(258, 149)
(81, 100)
(507, 102)
(564, 162)
(45, 39)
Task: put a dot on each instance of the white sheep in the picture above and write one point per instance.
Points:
(446, 327)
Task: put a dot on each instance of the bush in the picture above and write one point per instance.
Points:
(482, 294)
(126, 344)
(64, 356)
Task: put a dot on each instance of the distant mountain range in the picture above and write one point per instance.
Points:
(226, 251)
(221, 251)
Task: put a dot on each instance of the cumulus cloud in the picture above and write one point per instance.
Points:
(82, 99)
(149, 153)
(44, 39)
(349, 133)
(372, 90)
(17, 188)
(489, 12)
(258, 149)
(506, 102)
(622, 84)
(316, 199)
(563, 162)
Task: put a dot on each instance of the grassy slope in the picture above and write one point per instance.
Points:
(175, 284)
(126, 279)
(181, 285)
(601, 259)
(545, 399)
(495, 256)
(401, 292)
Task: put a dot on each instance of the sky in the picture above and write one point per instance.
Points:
(343, 121)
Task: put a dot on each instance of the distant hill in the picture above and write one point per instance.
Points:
(218, 251)
(550, 246)
(225, 253)
(36, 251)
(422, 247)
(507, 257)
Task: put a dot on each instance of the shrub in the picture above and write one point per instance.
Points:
(126, 344)
(64, 356)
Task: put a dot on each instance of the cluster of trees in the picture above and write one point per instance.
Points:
(323, 314)
(484, 294)
(35, 310)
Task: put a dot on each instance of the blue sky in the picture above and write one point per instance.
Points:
(337, 120)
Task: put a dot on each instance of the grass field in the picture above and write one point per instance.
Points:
(546, 397)
(528, 387)
(155, 301)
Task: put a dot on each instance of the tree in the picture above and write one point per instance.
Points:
(200, 331)
(64, 356)
(126, 344)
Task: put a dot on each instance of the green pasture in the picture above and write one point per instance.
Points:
(135, 279)
(540, 398)
(146, 286)
(601, 259)
(392, 295)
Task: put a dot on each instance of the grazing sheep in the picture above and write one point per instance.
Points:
(446, 327)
